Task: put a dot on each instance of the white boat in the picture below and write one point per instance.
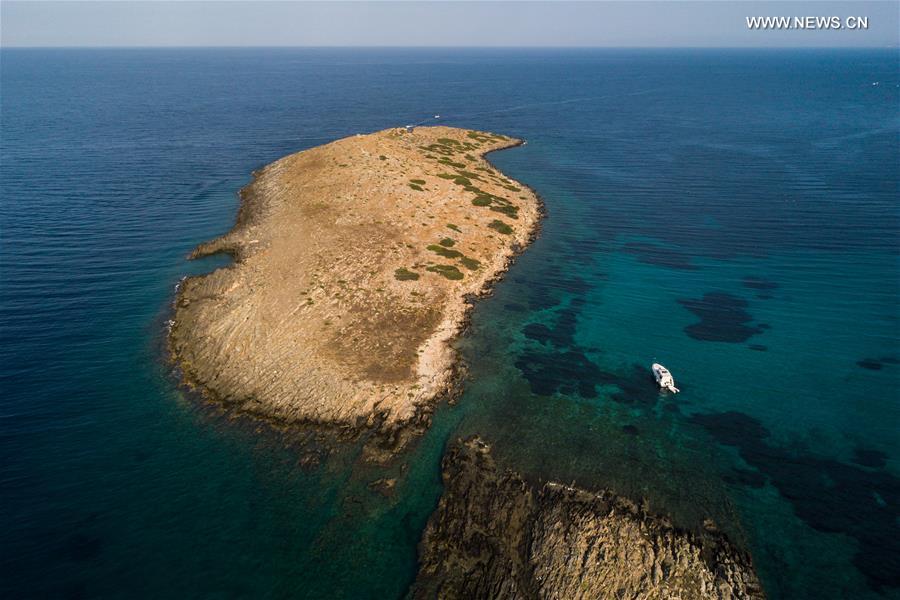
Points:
(664, 378)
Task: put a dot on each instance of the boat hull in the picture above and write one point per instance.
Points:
(663, 378)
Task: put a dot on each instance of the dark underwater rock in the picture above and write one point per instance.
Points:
(870, 364)
(759, 283)
(723, 318)
(870, 458)
(829, 495)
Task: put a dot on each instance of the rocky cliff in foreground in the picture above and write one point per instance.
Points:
(494, 535)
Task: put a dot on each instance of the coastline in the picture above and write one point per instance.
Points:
(392, 424)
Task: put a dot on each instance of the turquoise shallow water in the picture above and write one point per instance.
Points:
(730, 214)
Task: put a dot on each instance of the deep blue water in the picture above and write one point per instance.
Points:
(732, 214)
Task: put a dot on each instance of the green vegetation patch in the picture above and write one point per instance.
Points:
(382, 157)
(404, 274)
(507, 209)
(445, 252)
(469, 263)
(469, 174)
(453, 227)
(418, 188)
(448, 271)
(481, 200)
(450, 163)
(447, 242)
(448, 142)
(445, 149)
(513, 188)
(500, 226)
(417, 181)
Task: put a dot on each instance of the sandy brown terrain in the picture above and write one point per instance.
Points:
(352, 265)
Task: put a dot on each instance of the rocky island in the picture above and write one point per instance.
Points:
(354, 263)
(494, 535)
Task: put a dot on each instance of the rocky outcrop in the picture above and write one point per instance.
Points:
(494, 535)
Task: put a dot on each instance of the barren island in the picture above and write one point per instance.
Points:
(354, 263)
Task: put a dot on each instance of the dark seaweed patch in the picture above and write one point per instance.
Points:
(562, 333)
(758, 283)
(828, 495)
(538, 294)
(630, 429)
(541, 298)
(569, 372)
(652, 254)
(545, 291)
(82, 548)
(870, 364)
(745, 477)
(723, 318)
(561, 365)
(573, 285)
(586, 245)
(869, 458)
(557, 279)
(583, 250)
(758, 347)
(572, 372)
(76, 590)
(538, 332)
(876, 364)
(566, 323)
(636, 386)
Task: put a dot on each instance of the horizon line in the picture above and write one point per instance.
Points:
(410, 47)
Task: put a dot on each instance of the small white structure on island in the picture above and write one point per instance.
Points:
(409, 128)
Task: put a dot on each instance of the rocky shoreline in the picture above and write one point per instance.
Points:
(494, 535)
(355, 265)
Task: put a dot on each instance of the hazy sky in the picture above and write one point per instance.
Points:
(505, 23)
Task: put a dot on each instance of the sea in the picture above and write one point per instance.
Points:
(731, 214)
